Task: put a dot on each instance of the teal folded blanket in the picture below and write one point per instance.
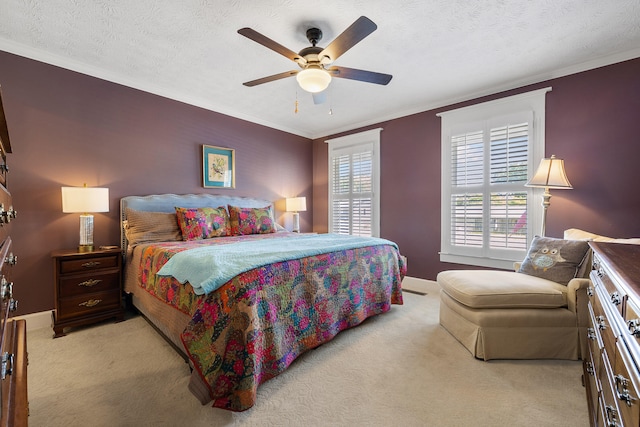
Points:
(209, 267)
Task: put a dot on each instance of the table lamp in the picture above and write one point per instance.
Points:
(85, 200)
(295, 205)
(550, 174)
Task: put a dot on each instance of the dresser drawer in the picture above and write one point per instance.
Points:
(603, 324)
(592, 383)
(625, 387)
(88, 264)
(82, 283)
(87, 303)
(594, 339)
(616, 296)
(610, 411)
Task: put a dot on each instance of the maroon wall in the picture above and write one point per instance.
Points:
(67, 129)
(592, 122)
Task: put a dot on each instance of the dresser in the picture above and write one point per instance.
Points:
(88, 287)
(13, 333)
(611, 365)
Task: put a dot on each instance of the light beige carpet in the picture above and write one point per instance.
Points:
(397, 369)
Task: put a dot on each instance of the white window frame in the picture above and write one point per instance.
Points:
(361, 139)
(481, 117)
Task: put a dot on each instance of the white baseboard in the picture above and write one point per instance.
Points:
(37, 320)
(420, 285)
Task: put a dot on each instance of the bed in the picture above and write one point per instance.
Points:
(290, 292)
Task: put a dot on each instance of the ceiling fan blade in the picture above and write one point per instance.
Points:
(361, 75)
(360, 29)
(268, 43)
(271, 78)
(319, 97)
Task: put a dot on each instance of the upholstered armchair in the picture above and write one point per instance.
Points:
(522, 314)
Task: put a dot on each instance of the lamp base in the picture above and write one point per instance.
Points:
(296, 222)
(86, 233)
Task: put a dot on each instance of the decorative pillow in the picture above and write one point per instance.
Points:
(557, 260)
(203, 223)
(251, 220)
(144, 227)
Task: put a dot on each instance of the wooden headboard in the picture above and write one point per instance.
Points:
(168, 203)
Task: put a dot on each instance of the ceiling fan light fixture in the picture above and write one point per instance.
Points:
(313, 80)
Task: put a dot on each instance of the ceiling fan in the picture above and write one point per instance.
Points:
(314, 61)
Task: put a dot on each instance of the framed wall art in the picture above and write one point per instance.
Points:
(218, 167)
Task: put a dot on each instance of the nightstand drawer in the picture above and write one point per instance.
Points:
(88, 264)
(87, 283)
(90, 302)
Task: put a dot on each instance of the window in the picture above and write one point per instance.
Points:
(489, 151)
(354, 181)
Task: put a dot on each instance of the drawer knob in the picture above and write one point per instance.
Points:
(6, 216)
(589, 368)
(615, 298)
(6, 289)
(612, 416)
(602, 325)
(622, 391)
(91, 264)
(11, 259)
(89, 283)
(634, 327)
(7, 364)
(90, 303)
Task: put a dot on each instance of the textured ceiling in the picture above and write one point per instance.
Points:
(438, 51)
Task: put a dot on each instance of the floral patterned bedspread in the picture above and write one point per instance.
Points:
(254, 326)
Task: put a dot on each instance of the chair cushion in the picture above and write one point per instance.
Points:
(501, 289)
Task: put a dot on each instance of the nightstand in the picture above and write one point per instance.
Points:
(88, 287)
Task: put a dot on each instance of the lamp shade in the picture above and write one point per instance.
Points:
(313, 80)
(296, 204)
(550, 174)
(85, 199)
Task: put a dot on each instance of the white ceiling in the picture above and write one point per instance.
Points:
(438, 51)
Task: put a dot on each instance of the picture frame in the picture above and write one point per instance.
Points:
(218, 167)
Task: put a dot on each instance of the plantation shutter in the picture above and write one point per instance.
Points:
(352, 191)
(486, 209)
(353, 182)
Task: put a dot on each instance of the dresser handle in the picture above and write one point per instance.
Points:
(624, 394)
(90, 303)
(615, 298)
(634, 327)
(612, 416)
(89, 283)
(602, 325)
(91, 264)
(7, 364)
(6, 289)
(11, 259)
(590, 291)
(589, 368)
(591, 334)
